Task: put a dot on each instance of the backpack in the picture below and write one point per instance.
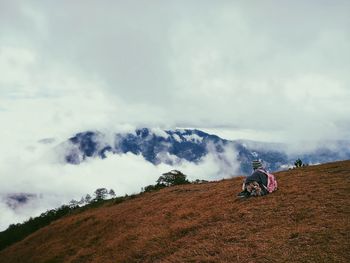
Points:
(271, 181)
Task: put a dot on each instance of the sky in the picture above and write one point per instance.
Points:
(275, 71)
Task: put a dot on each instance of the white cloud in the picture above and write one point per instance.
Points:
(36, 170)
(177, 137)
(193, 138)
(267, 71)
(165, 65)
(159, 132)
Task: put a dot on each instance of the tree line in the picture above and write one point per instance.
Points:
(17, 232)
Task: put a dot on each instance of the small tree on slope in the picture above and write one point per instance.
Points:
(173, 177)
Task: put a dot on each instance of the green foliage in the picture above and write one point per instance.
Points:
(111, 193)
(17, 232)
(73, 204)
(298, 163)
(197, 181)
(87, 198)
(151, 187)
(100, 194)
(173, 177)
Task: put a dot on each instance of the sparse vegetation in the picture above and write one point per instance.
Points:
(173, 177)
(111, 193)
(299, 163)
(307, 220)
(100, 194)
(198, 181)
(150, 188)
(87, 199)
(16, 232)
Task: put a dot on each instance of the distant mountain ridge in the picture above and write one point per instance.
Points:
(174, 146)
(15, 200)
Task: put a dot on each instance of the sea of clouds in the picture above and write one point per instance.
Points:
(38, 169)
(242, 69)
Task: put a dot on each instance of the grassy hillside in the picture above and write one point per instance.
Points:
(306, 220)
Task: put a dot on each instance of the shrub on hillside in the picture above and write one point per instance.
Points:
(17, 232)
(173, 177)
(150, 188)
(198, 181)
(100, 194)
(111, 193)
(299, 163)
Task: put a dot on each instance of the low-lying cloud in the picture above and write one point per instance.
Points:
(55, 183)
(271, 71)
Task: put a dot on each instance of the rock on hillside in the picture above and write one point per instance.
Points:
(306, 220)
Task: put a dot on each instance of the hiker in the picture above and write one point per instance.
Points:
(259, 183)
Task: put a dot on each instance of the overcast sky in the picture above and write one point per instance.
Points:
(273, 70)
(261, 70)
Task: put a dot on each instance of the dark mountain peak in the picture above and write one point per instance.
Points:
(14, 200)
(143, 132)
(192, 145)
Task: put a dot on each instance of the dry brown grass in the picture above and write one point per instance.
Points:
(306, 220)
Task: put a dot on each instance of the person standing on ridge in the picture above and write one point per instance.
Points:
(256, 183)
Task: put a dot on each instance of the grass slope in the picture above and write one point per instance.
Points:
(306, 220)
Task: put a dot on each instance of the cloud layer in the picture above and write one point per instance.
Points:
(272, 66)
(37, 170)
(272, 71)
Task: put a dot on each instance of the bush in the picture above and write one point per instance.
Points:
(173, 177)
(100, 194)
(17, 232)
(150, 188)
(198, 181)
(298, 163)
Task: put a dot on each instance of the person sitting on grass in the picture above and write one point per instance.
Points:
(256, 183)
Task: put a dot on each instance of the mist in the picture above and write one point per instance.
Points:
(39, 170)
(272, 71)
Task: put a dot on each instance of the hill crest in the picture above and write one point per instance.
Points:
(306, 220)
